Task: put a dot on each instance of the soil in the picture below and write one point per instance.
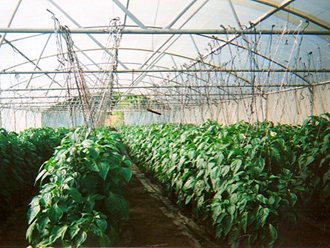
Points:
(310, 232)
(12, 230)
(155, 222)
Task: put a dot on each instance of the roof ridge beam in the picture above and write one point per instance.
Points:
(221, 31)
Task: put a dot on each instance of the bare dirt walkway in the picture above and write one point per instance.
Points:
(155, 222)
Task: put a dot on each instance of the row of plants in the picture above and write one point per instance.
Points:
(81, 191)
(20, 158)
(247, 179)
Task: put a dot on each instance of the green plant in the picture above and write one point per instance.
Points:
(45, 140)
(20, 158)
(248, 178)
(81, 191)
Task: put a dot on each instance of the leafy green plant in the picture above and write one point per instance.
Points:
(45, 140)
(20, 158)
(81, 194)
(313, 142)
(248, 179)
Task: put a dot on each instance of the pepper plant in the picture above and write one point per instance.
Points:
(247, 179)
(21, 155)
(81, 196)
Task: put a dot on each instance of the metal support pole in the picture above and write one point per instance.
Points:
(161, 87)
(2, 38)
(170, 31)
(217, 70)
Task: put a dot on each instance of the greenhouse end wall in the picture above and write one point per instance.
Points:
(18, 120)
(287, 107)
(61, 119)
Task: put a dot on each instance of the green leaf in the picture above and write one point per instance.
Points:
(76, 195)
(231, 210)
(273, 234)
(263, 214)
(34, 209)
(41, 174)
(189, 183)
(93, 153)
(262, 199)
(127, 174)
(236, 165)
(117, 205)
(82, 238)
(260, 163)
(214, 173)
(233, 198)
(42, 222)
(29, 231)
(191, 154)
(55, 213)
(74, 230)
(271, 200)
(102, 224)
(310, 160)
(276, 153)
(103, 169)
(87, 143)
(188, 199)
(57, 232)
(200, 202)
(224, 170)
(227, 225)
(244, 221)
(294, 198)
(211, 166)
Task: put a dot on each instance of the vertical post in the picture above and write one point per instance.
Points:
(266, 107)
(26, 119)
(14, 120)
(237, 111)
(311, 99)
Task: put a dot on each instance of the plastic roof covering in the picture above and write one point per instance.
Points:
(166, 52)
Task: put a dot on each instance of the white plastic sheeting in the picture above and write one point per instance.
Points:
(223, 60)
(290, 107)
(61, 119)
(18, 120)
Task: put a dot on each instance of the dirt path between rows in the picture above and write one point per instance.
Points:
(12, 231)
(155, 222)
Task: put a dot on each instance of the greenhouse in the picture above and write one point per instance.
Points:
(192, 123)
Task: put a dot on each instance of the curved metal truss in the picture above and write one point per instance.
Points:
(234, 65)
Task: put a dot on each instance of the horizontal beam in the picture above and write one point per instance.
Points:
(168, 31)
(157, 87)
(171, 70)
(65, 102)
(62, 110)
(55, 104)
(125, 95)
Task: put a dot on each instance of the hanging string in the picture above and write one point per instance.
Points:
(69, 60)
(106, 102)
